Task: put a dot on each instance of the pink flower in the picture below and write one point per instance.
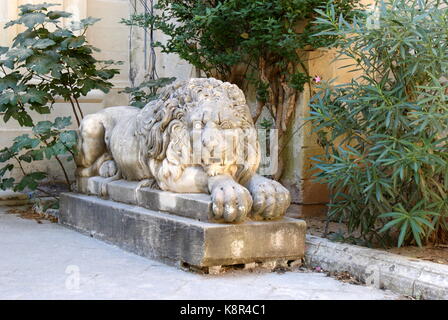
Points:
(317, 79)
(318, 269)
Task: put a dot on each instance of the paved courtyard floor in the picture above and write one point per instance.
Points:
(49, 261)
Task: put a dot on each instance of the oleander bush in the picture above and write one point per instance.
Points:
(385, 133)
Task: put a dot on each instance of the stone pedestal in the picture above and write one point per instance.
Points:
(175, 228)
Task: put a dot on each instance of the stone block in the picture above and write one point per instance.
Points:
(90, 185)
(192, 205)
(178, 240)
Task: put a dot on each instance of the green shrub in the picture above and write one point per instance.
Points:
(385, 132)
(48, 140)
(46, 61)
(257, 44)
(146, 91)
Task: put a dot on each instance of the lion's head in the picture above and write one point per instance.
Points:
(201, 121)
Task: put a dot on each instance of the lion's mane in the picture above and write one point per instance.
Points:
(157, 119)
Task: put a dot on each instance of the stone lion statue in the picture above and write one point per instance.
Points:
(198, 137)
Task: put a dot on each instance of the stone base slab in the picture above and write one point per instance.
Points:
(191, 205)
(179, 240)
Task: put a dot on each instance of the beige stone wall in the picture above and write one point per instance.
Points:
(107, 35)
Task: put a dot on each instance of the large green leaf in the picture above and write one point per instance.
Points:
(54, 15)
(20, 53)
(73, 42)
(8, 99)
(87, 86)
(62, 122)
(43, 43)
(63, 33)
(6, 184)
(36, 96)
(84, 23)
(42, 63)
(25, 38)
(24, 142)
(8, 63)
(43, 127)
(57, 149)
(68, 138)
(9, 81)
(8, 167)
(6, 154)
(32, 19)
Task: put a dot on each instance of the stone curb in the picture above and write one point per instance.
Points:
(11, 198)
(15, 202)
(22, 202)
(411, 277)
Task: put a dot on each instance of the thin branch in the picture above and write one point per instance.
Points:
(79, 107)
(20, 165)
(74, 112)
(60, 164)
(47, 193)
(65, 173)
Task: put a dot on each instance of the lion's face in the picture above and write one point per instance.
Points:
(219, 114)
(203, 122)
(216, 135)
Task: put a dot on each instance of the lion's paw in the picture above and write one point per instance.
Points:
(108, 169)
(271, 199)
(231, 201)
